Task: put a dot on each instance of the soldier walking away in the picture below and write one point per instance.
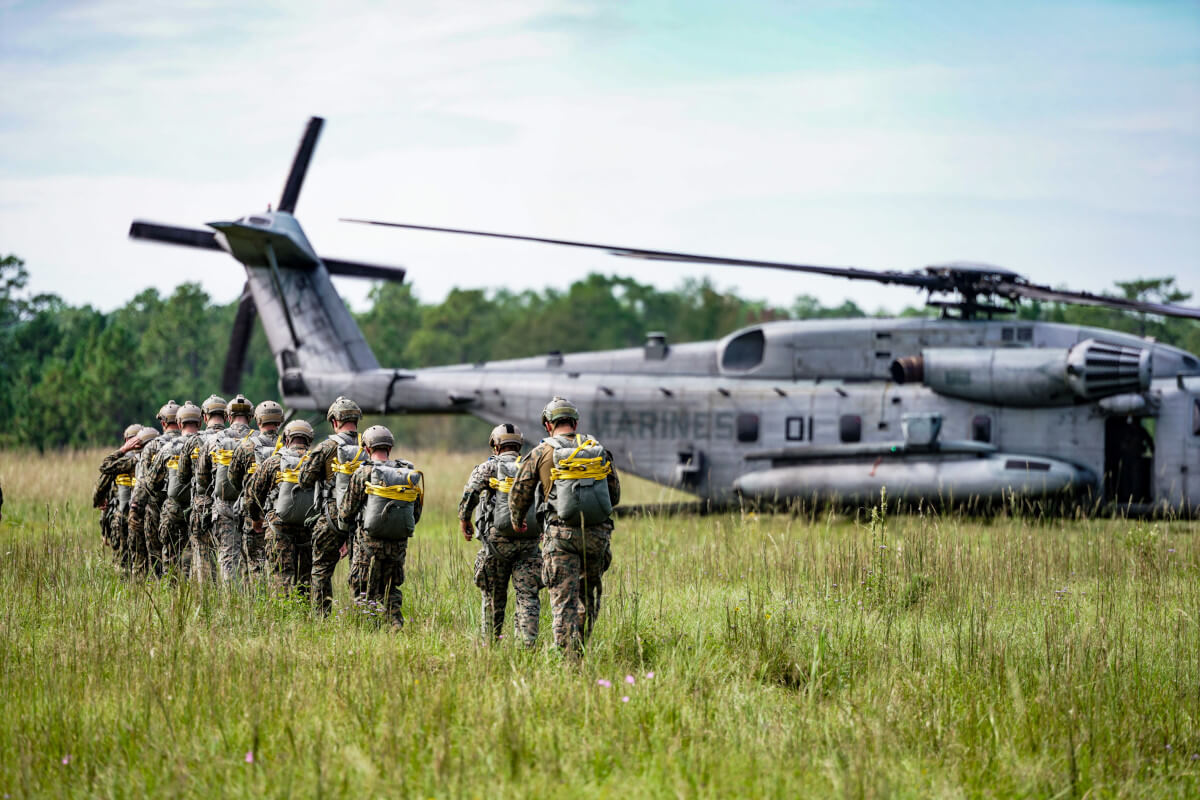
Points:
(382, 503)
(173, 491)
(328, 470)
(144, 509)
(212, 470)
(581, 488)
(249, 455)
(275, 494)
(112, 493)
(197, 471)
(506, 554)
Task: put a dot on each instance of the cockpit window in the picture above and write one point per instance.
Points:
(744, 351)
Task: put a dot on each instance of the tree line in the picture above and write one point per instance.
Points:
(73, 376)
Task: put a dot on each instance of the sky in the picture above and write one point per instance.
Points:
(1059, 140)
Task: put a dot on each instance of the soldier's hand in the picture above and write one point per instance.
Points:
(520, 527)
(467, 529)
(133, 444)
(103, 505)
(257, 525)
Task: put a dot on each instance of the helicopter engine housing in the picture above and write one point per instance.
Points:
(1029, 377)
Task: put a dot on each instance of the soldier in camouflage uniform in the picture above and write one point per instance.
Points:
(197, 471)
(504, 555)
(172, 491)
(328, 469)
(144, 510)
(111, 495)
(377, 568)
(224, 535)
(251, 452)
(289, 543)
(574, 557)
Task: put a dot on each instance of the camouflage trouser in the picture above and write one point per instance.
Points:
(289, 553)
(254, 548)
(173, 535)
(112, 532)
(203, 542)
(142, 536)
(227, 533)
(520, 560)
(573, 562)
(327, 545)
(377, 573)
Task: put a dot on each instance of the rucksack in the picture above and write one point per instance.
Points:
(293, 503)
(174, 450)
(507, 467)
(222, 456)
(579, 480)
(125, 482)
(347, 458)
(392, 495)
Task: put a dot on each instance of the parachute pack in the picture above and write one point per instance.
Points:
(293, 503)
(174, 451)
(507, 467)
(347, 459)
(222, 456)
(392, 495)
(579, 480)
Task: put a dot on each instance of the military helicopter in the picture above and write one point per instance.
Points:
(970, 407)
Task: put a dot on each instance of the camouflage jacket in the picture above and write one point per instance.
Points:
(355, 499)
(114, 464)
(206, 467)
(244, 464)
(478, 489)
(536, 469)
(319, 465)
(143, 492)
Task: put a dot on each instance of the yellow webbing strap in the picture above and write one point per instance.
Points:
(410, 492)
(173, 463)
(253, 468)
(290, 475)
(503, 485)
(351, 466)
(223, 457)
(126, 479)
(574, 468)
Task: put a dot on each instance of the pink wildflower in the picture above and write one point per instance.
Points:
(625, 699)
(607, 684)
(649, 674)
(629, 680)
(249, 756)
(66, 759)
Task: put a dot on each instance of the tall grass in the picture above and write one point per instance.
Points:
(917, 655)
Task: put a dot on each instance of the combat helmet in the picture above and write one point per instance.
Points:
(215, 404)
(189, 412)
(506, 434)
(147, 434)
(166, 414)
(240, 406)
(378, 436)
(132, 430)
(560, 408)
(298, 427)
(268, 411)
(343, 410)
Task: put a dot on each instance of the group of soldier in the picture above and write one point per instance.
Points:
(205, 496)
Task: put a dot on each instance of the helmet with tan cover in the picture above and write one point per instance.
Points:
(268, 411)
(558, 409)
(215, 404)
(298, 429)
(132, 430)
(378, 436)
(147, 434)
(344, 410)
(506, 435)
(166, 414)
(240, 407)
(189, 412)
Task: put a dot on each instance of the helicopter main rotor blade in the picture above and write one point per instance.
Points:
(239, 342)
(919, 280)
(173, 234)
(295, 179)
(1030, 291)
(356, 269)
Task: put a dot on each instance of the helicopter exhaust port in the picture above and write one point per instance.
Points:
(1029, 377)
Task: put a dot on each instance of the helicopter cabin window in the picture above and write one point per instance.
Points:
(1007, 334)
(744, 351)
(747, 427)
(795, 429)
(981, 429)
(1024, 334)
(850, 428)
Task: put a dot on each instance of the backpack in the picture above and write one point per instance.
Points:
(125, 483)
(579, 480)
(177, 490)
(347, 458)
(507, 467)
(222, 456)
(392, 495)
(293, 503)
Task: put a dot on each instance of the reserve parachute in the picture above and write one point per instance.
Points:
(392, 496)
(579, 480)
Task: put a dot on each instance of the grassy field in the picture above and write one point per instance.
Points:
(747, 655)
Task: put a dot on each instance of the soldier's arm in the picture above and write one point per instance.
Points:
(614, 481)
(259, 487)
(117, 462)
(354, 499)
(156, 478)
(104, 485)
(476, 484)
(239, 465)
(525, 485)
(204, 466)
(187, 466)
(312, 469)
